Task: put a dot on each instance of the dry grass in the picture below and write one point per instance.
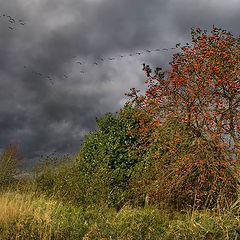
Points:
(25, 216)
(14, 205)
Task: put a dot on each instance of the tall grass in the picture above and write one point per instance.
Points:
(23, 216)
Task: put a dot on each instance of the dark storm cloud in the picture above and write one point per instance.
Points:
(204, 14)
(48, 100)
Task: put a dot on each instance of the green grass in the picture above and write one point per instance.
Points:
(25, 216)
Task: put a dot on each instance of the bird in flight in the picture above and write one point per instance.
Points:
(10, 19)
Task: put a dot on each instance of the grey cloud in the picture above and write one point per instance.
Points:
(42, 114)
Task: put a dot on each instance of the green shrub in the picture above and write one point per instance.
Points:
(107, 158)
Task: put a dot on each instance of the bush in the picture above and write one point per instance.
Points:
(9, 163)
(184, 172)
(108, 158)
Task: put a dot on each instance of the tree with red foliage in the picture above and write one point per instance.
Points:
(202, 91)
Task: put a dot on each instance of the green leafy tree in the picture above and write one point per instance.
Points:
(109, 157)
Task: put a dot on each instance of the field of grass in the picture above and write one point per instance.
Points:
(27, 216)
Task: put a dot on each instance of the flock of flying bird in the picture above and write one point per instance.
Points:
(14, 23)
(98, 61)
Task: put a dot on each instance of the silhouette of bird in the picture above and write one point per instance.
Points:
(79, 63)
(11, 28)
(148, 51)
(139, 53)
(10, 19)
(111, 59)
(121, 56)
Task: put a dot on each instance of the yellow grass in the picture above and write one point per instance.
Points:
(23, 215)
(16, 205)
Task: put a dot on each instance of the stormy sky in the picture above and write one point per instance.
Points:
(65, 62)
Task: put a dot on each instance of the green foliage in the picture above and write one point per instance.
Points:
(115, 167)
(105, 160)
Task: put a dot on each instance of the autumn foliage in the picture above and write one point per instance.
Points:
(200, 94)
